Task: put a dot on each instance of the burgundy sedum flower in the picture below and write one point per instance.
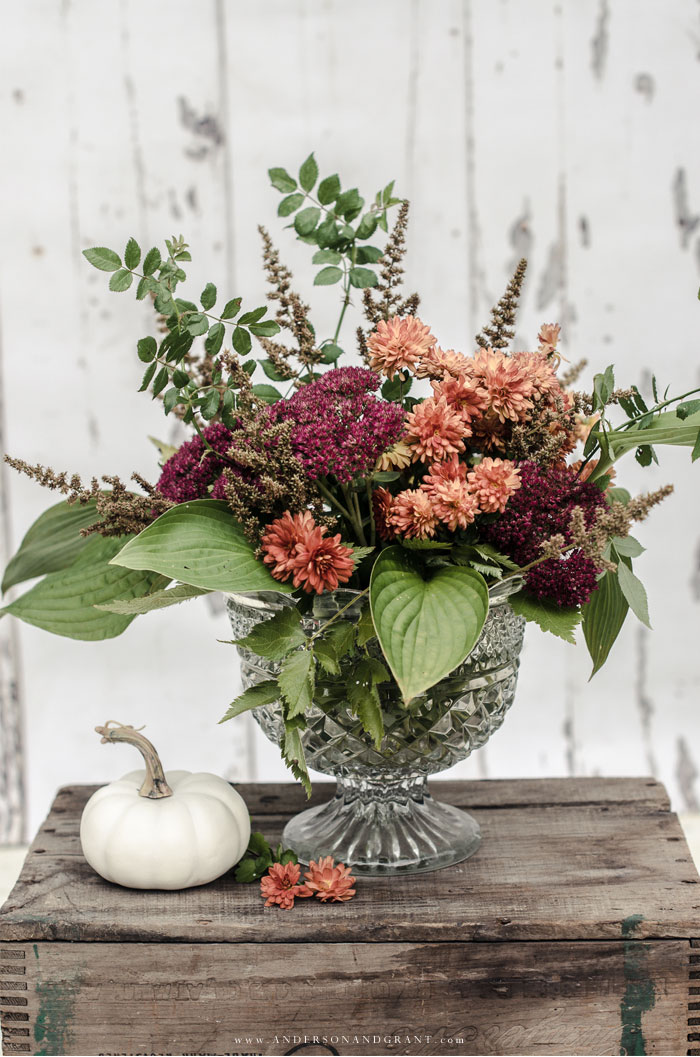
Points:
(192, 470)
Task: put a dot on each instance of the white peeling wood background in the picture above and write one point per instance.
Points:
(565, 132)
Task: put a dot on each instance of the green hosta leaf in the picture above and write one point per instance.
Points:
(265, 693)
(308, 173)
(328, 276)
(427, 619)
(306, 220)
(550, 617)
(64, 602)
(362, 278)
(199, 543)
(328, 189)
(290, 204)
(276, 637)
(364, 628)
(53, 542)
(603, 616)
(132, 254)
(634, 592)
(268, 393)
(364, 699)
(296, 681)
(666, 428)
(157, 600)
(121, 280)
(102, 258)
(147, 349)
(293, 754)
(280, 179)
(208, 297)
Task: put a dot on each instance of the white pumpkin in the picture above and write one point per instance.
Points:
(171, 830)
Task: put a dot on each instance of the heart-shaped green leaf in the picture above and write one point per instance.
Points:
(200, 543)
(427, 619)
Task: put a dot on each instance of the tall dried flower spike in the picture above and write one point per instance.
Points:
(501, 329)
(383, 300)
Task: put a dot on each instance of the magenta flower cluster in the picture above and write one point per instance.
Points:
(193, 469)
(340, 427)
(539, 509)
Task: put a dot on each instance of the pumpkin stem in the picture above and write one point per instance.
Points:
(154, 784)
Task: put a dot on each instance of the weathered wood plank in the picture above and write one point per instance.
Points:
(543, 872)
(541, 998)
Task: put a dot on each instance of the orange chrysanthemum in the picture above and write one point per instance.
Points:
(296, 546)
(548, 337)
(438, 362)
(329, 881)
(507, 382)
(280, 540)
(281, 885)
(435, 430)
(463, 394)
(451, 498)
(493, 482)
(382, 501)
(540, 370)
(398, 344)
(412, 514)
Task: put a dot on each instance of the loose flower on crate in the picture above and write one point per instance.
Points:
(418, 481)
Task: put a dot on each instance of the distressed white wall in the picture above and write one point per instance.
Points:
(566, 132)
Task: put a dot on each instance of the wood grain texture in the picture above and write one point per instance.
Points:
(544, 872)
(411, 998)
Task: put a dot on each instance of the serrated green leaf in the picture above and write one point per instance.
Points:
(197, 325)
(215, 338)
(308, 173)
(364, 628)
(296, 681)
(264, 693)
(367, 226)
(208, 297)
(281, 180)
(147, 349)
(132, 254)
(360, 553)
(290, 204)
(427, 619)
(142, 289)
(328, 276)
(364, 699)
(558, 620)
(252, 317)
(634, 593)
(328, 189)
(276, 637)
(148, 375)
(326, 257)
(200, 543)
(160, 381)
(628, 546)
(293, 755)
(362, 278)
(53, 542)
(155, 600)
(121, 280)
(64, 602)
(211, 405)
(151, 261)
(246, 872)
(306, 220)
(369, 254)
(687, 408)
(268, 393)
(102, 258)
(267, 329)
(331, 353)
(326, 656)
(271, 371)
(231, 308)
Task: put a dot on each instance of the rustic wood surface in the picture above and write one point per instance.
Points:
(545, 871)
(380, 998)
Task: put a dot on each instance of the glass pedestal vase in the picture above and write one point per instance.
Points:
(383, 820)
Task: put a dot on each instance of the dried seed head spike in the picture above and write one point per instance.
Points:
(500, 331)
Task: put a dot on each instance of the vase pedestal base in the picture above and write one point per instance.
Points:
(382, 827)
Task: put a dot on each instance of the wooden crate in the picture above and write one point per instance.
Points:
(570, 932)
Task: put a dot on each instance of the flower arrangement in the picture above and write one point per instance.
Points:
(418, 479)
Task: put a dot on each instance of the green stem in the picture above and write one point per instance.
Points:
(355, 517)
(335, 616)
(327, 494)
(372, 524)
